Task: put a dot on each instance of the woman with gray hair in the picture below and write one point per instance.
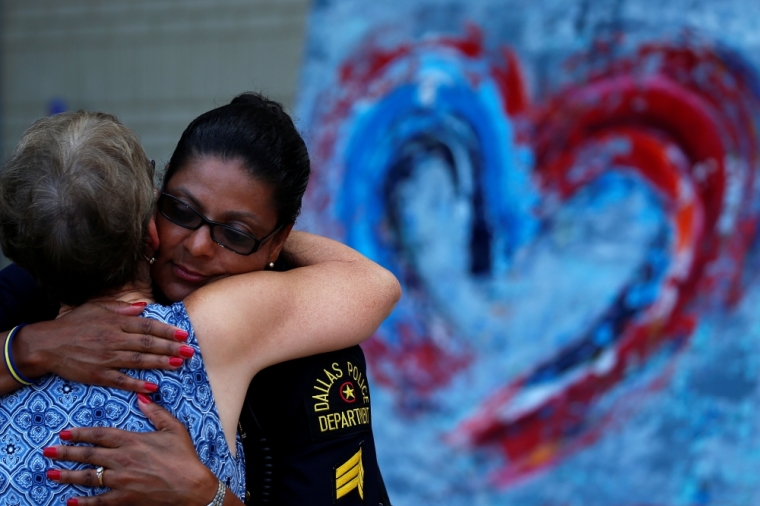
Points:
(76, 210)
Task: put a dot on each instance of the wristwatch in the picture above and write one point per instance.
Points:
(219, 497)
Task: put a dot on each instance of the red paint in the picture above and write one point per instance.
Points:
(657, 114)
(683, 111)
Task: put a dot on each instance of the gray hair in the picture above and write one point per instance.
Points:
(76, 196)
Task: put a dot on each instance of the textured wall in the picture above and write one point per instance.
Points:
(568, 192)
(156, 64)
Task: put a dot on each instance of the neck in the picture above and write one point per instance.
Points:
(135, 291)
(139, 290)
(130, 293)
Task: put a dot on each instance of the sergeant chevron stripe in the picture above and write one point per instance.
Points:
(350, 476)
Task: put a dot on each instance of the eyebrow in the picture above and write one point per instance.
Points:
(186, 194)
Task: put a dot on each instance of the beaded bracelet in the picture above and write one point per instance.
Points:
(9, 363)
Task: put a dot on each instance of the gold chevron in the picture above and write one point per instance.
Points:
(350, 476)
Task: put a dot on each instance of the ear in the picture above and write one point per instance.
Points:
(152, 233)
(277, 241)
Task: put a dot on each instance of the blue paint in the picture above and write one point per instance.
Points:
(429, 179)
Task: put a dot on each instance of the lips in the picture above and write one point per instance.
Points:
(188, 275)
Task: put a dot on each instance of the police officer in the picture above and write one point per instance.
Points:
(306, 424)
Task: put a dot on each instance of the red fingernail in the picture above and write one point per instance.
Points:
(53, 474)
(141, 304)
(175, 361)
(180, 335)
(72, 502)
(151, 387)
(144, 399)
(186, 351)
(50, 452)
(65, 435)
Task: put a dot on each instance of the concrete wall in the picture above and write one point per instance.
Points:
(156, 64)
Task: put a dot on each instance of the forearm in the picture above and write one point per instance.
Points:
(207, 492)
(21, 301)
(7, 383)
(231, 499)
(303, 249)
(207, 488)
(24, 358)
(335, 299)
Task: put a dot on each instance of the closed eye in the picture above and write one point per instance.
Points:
(236, 237)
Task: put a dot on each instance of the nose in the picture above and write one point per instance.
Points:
(199, 242)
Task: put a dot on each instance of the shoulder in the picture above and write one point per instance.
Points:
(315, 419)
(315, 398)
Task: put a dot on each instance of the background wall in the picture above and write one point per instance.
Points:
(156, 64)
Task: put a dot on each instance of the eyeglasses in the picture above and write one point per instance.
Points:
(226, 236)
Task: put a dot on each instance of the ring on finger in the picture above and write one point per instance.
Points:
(99, 471)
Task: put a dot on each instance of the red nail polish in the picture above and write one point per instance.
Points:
(141, 304)
(180, 335)
(72, 502)
(144, 399)
(186, 351)
(151, 387)
(53, 474)
(65, 435)
(50, 452)
(175, 361)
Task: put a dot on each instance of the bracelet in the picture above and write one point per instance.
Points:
(218, 499)
(9, 363)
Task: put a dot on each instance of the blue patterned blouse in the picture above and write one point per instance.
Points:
(32, 417)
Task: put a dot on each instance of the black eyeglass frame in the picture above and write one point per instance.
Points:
(258, 243)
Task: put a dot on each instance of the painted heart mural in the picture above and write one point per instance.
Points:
(565, 249)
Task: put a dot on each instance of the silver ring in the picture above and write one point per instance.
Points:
(99, 473)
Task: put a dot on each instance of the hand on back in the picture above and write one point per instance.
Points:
(158, 468)
(92, 343)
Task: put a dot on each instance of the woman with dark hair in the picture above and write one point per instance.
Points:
(209, 228)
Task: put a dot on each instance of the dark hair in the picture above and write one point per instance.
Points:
(258, 132)
(76, 197)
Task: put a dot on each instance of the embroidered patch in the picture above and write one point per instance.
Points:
(338, 403)
(350, 476)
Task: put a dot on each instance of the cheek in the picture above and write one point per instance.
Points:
(232, 263)
(169, 237)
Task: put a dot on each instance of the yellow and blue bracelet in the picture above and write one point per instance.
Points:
(9, 363)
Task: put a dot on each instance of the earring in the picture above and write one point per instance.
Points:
(150, 260)
(271, 265)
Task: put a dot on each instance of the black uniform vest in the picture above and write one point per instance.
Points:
(308, 433)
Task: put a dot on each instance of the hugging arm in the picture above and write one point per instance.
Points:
(89, 344)
(336, 299)
(21, 301)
